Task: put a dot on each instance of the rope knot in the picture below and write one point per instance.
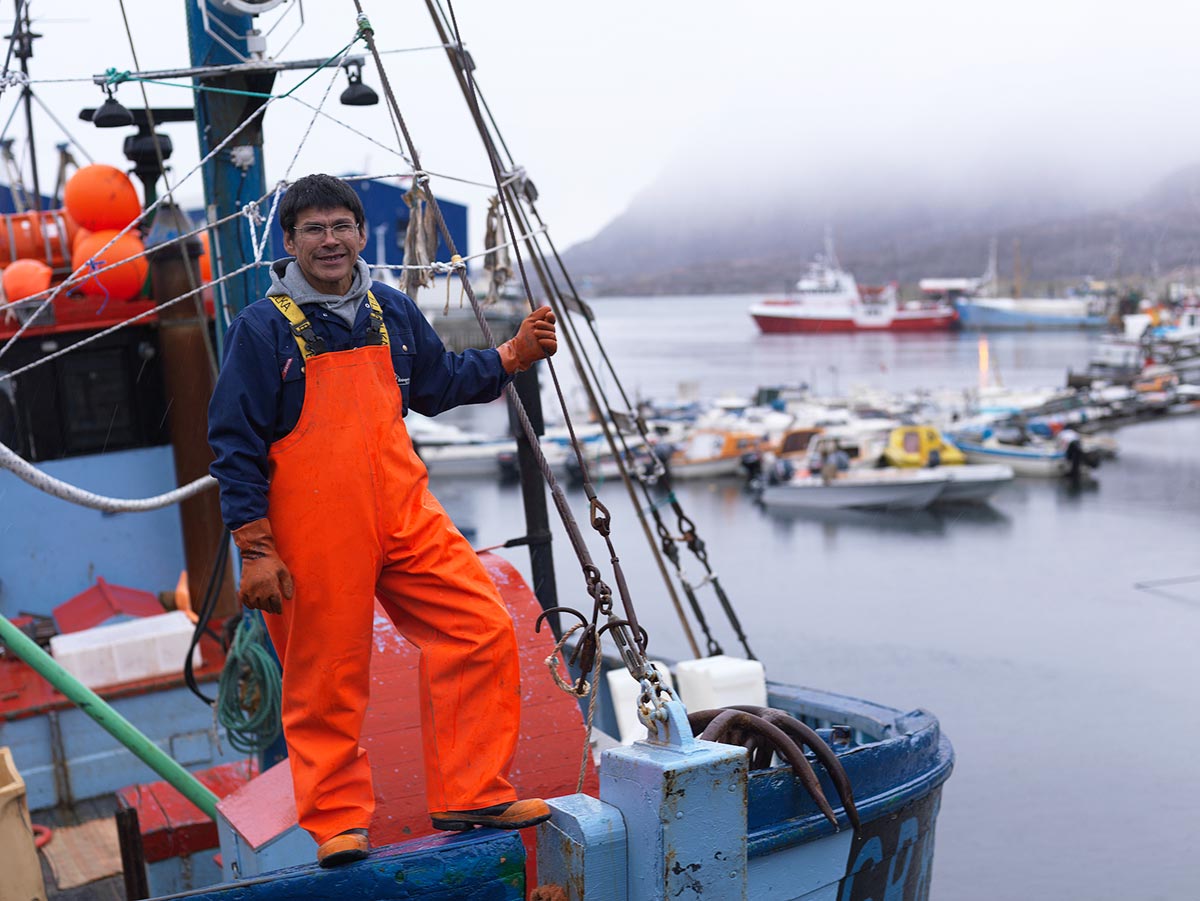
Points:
(251, 211)
(112, 76)
(439, 268)
(420, 178)
(365, 29)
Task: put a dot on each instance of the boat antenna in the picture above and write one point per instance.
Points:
(831, 259)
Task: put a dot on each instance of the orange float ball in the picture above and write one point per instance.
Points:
(24, 278)
(99, 197)
(126, 280)
(81, 234)
(205, 260)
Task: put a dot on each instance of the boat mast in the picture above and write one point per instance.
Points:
(23, 38)
(235, 177)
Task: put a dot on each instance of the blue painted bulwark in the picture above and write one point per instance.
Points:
(484, 865)
(55, 549)
(66, 757)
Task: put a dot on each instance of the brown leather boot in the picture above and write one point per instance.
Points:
(345, 847)
(513, 815)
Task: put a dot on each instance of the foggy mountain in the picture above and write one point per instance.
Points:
(749, 235)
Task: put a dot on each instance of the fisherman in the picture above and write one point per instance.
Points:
(330, 508)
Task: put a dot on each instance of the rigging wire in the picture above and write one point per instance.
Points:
(192, 274)
(12, 42)
(690, 537)
(70, 137)
(629, 636)
(127, 322)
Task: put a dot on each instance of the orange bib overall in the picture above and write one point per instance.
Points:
(353, 520)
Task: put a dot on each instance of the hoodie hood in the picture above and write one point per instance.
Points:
(287, 280)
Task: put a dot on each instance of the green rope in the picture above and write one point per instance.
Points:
(249, 691)
(114, 77)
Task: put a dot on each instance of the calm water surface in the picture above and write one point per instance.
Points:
(1033, 627)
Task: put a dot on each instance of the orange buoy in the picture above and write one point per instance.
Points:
(25, 278)
(100, 197)
(205, 260)
(45, 236)
(80, 235)
(121, 283)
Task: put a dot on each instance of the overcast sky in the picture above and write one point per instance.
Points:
(600, 100)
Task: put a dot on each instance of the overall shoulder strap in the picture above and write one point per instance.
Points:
(377, 332)
(309, 342)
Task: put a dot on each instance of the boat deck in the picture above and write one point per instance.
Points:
(111, 888)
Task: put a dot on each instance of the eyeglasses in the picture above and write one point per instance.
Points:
(312, 231)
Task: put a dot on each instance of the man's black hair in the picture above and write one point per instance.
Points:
(318, 192)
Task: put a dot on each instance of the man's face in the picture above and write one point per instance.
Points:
(326, 244)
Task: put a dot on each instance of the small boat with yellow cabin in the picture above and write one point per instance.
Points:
(913, 446)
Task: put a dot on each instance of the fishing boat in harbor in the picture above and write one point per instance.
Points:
(829, 299)
(980, 306)
(697, 805)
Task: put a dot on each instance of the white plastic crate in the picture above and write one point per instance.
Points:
(720, 681)
(122, 652)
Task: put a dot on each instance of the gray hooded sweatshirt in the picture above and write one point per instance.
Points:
(287, 280)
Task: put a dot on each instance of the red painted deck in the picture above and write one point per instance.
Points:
(547, 759)
(171, 825)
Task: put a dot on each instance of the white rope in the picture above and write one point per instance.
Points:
(261, 247)
(29, 473)
(444, 268)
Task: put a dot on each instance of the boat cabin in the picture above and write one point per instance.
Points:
(920, 445)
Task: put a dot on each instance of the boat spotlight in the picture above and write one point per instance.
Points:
(357, 93)
(111, 113)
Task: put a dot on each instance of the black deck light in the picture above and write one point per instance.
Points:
(111, 113)
(357, 93)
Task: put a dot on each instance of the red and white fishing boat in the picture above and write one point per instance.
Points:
(828, 299)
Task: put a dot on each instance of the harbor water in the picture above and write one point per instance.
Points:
(1053, 631)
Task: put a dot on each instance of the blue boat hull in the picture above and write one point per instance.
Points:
(896, 762)
(976, 316)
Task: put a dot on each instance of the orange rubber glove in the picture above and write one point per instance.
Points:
(535, 340)
(265, 581)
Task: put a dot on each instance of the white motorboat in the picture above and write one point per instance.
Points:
(974, 483)
(1038, 458)
(448, 450)
(860, 489)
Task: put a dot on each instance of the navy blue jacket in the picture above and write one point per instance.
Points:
(260, 390)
